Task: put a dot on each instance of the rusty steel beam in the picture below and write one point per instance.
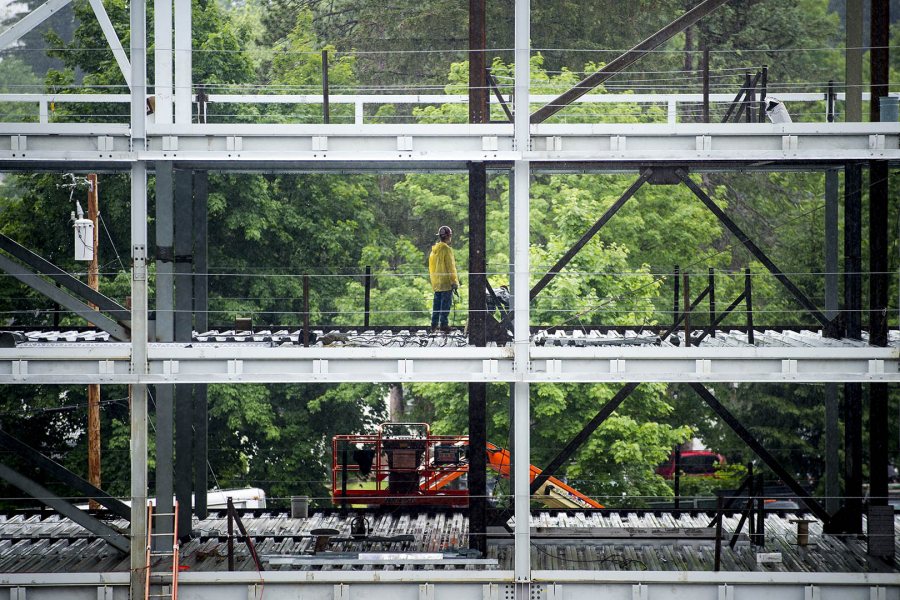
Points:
(626, 60)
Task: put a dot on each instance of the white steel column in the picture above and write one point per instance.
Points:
(138, 298)
(522, 285)
(162, 57)
(183, 62)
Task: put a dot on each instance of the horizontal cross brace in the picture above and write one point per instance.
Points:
(110, 363)
(445, 146)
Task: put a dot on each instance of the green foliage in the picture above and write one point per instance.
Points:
(727, 477)
(278, 437)
(787, 419)
(16, 77)
(268, 231)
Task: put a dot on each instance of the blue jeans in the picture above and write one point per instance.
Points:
(440, 308)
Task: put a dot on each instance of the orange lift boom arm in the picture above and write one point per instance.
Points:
(554, 493)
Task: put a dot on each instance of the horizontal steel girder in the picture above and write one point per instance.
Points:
(280, 146)
(83, 363)
(481, 585)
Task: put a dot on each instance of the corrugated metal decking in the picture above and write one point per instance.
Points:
(31, 544)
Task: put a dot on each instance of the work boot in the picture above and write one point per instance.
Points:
(445, 329)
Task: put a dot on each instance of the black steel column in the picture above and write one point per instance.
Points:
(878, 329)
(878, 256)
(201, 308)
(852, 513)
(478, 113)
(832, 426)
(165, 332)
(477, 391)
(184, 305)
(478, 89)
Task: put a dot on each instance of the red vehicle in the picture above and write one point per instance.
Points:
(693, 462)
(403, 463)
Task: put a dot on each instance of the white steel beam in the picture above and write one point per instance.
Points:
(162, 60)
(30, 21)
(476, 585)
(139, 302)
(183, 62)
(112, 39)
(282, 146)
(521, 458)
(109, 362)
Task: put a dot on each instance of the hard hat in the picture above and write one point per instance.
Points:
(444, 232)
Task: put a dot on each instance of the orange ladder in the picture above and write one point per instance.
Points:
(172, 593)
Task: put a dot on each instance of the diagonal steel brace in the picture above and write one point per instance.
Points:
(817, 509)
(39, 492)
(79, 288)
(753, 248)
(62, 298)
(610, 212)
(66, 476)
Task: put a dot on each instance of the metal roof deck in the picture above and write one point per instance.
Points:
(53, 544)
(399, 337)
(390, 354)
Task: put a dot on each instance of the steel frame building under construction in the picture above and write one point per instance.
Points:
(176, 359)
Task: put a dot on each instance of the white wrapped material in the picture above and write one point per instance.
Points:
(777, 112)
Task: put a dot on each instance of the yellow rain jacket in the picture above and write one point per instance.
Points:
(442, 268)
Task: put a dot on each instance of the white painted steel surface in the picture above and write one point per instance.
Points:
(110, 362)
(475, 585)
(230, 146)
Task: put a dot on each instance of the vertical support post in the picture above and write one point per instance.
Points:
(748, 300)
(367, 302)
(201, 316)
(162, 60)
(677, 477)
(521, 303)
(183, 67)
(687, 309)
(749, 99)
(477, 337)
(832, 441)
(676, 303)
(165, 332)
(879, 34)
(343, 477)
(306, 311)
(763, 91)
(712, 301)
(853, 61)
(326, 106)
(478, 113)
(184, 306)
(720, 512)
(93, 390)
(478, 89)
(761, 517)
(753, 491)
(879, 55)
(705, 84)
(853, 306)
(477, 258)
(230, 550)
(853, 250)
(830, 102)
(138, 392)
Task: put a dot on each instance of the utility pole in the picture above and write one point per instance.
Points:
(94, 389)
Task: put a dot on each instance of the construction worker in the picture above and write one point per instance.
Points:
(444, 281)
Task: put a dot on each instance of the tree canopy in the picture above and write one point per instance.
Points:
(267, 231)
